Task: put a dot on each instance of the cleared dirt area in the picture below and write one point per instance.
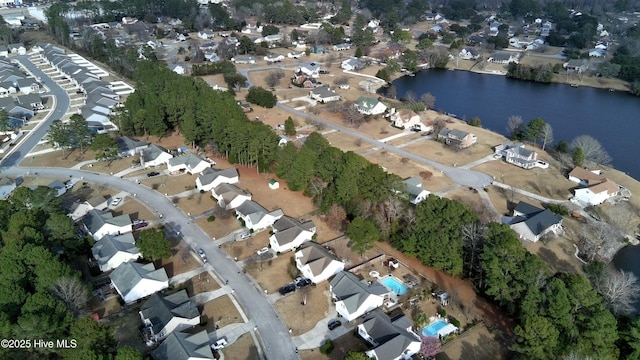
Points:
(200, 283)
(406, 168)
(471, 198)
(444, 154)
(125, 330)
(347, 143)
(273, 274)
(341, 346)
(247, 248)
(112, 167)
(221, 312)
(220, 227)
(479, 343)
(323, 231)
(57, 159)
(196, 203)
(135, 209)
(376, 127)
(302, 309)
(168, 184)
(241, 349)
(181, 259)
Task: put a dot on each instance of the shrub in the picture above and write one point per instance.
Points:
(203, 320)
(442, 312)
(558, 209)
(211, 218)
(262, 97)
(455, 322)
(383, 74)
(475, 122)
(327, 347)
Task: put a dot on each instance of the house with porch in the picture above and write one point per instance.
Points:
(274, 58)
(469, 53)
(457, 138)
(163, 314)
(135, 281)
(113, 250)
(184, 346)
(369, 106)
(351, 65)
(594, 188)
(210, 178)
(189, 162)
(99, 223)
(504, 58)
(255, 216)
(229, 196)
(577, 65)
(354, 297)
(405, 119)
(290, 233)
(324, 94)
(154, 155)
(244, 59)
(516, 154)
(532, 222)
(316, 262)
(310, 69)
(390, 338)
(416, 193)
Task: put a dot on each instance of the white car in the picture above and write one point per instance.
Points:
(116, 201)
(264, 250)
(202, 255)
(219, 344)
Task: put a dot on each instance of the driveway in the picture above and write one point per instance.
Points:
(461, 176)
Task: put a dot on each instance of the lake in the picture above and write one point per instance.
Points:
(611, 117)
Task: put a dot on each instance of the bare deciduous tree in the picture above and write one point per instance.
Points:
(410, 97)
(428, 100)
(438, 125)
(392, 92)
(341, 80)
(473, 239)
(591, 149)
(514, 124)
(620, 289)
(546, 135)
(272, 79)
(353, 117)
(336, 217)
(73, 293)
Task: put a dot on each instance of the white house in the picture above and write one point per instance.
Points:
(595, 187)
(178, 69)
(229, 196)
(100, 223)
(28, 86)
(135, 281)
(353, 297)
(244, 59)
(7, 185)
(469, 54)
(406, 119)
(532, 222)
(342, 47)
(309, 69)
(17, 48)
(184, 346)
(415, 190)
(517, 155)
(274, 58)
(597, 53)
(154, 155)
(206, 34)
(289, 233)
(189, 162)
(504, 58)
(390, 338)
(256, 217)
(113, 250)
(324, 94)
(163, 314)
(295, 54)
(317, 263)
(210, 178)
(370, 106)
(130, 146)
(351, 64)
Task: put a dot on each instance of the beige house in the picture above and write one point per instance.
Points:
(457, 138)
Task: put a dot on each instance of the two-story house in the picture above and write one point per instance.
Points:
(532, 222)
(517, 155)
(210, 178)
(354, 297)
(135, 281)
(316, 262)
(113, 250)
(289, 233)
(390, 338)
(163, 314)
(457, 138)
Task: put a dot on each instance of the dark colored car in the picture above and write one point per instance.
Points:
(303, 282)
(334, 324)
(287, 289)
(153, 173)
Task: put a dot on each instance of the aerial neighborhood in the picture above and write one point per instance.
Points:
(259, 180)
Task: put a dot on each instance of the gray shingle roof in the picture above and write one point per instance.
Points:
(316, 256)
(129, 274)
(536, 219)
(391, 335)
(127, 143)
(182, 346)
(366, 103)
(152, 152)
(255, 211)
(190, 159)
(161, 309)
(107, 247)
(208, 175)
(346, 287)
(96, 219)
(287, 229)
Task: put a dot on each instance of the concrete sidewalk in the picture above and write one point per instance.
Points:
(231, 332)
(205, 297)
(315, 337)
(180, 278)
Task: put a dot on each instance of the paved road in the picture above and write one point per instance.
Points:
(62, 105)
(276, 341)
(461, 176)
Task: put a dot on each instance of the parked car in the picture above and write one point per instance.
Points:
(245, 236)
(202, 254)
(116, 201)
(264, 250)
(219, 344)
(140, 225)
(303, 282)
(153, 173)
(334, 324)
(287, 289)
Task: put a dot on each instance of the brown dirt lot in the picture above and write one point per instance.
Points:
(247, 248)
(200, 284)
(56, 159)
(469, 198)
(125, 331)
(376, 128)
(302, 318)
(196, 203)
(181, 259)
(241, 349)
(392, 163)
(342, 345)
(221, 226)
(323, 231)
(168, 184)
(273, 274)
(479, 343)
(135, 209)
(111, 168)
(220, 311)
(346, 142)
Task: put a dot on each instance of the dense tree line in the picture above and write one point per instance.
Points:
(261, 96)
(41, 297)
(166, 101)
(540, 73)
(222, 67)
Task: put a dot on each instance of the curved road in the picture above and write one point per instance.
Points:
(276, 340)
(461, 176)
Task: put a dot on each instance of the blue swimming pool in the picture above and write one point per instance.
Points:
(432, 330)
(394, 285)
